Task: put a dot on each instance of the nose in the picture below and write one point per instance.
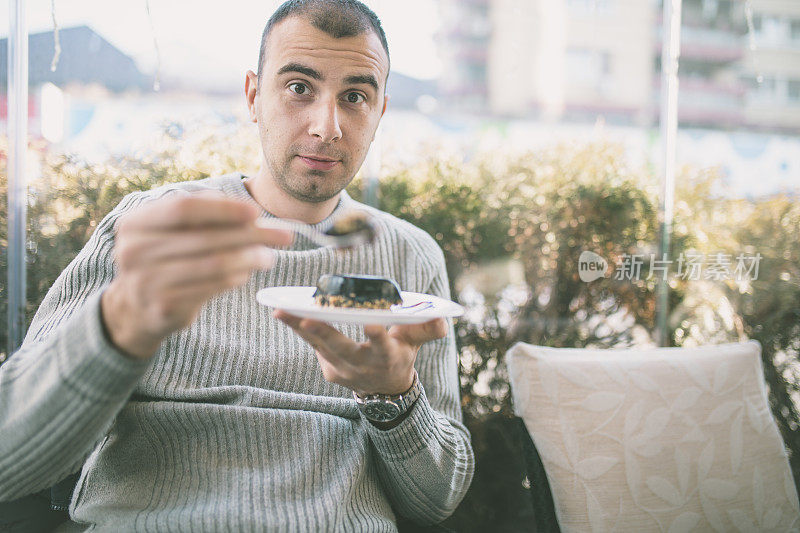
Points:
(324, 123)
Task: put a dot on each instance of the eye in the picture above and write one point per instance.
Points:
(298, 88)
(355, 98)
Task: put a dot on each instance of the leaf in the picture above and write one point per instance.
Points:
(664, 490)
(645, 447)
(758, 492)
(720, 376)
(736, 443)
(742, 521)
(594, 467)
(719, 489)
(694, 435)
(570, 439)
(655, 422)
(772, 518)
(614, 372)
(684, 522)
(687, 398)
(552, 454)
(712, 513)
(633, 472)
(723, 412)
(705, 461)
(632, 418)
(791, 492)
(595, 512)
(754, 417)
(549, 379)
(602, 401)
(696, 373)
(643, 381)
(682, 467)
(576, 375)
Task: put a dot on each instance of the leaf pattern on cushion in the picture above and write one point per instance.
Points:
(742, 521)
(791, 492)
(737, 444)
(723, 412)
(577, 376)
(711, 513)
(719, 489)
(678, 439)
(664, 489)
(682, 468)
(758, 492)
(772, 518)
(549, 380)
(594, 467)
(595, 511)
(552, 454)
(704, 461)
(602, 401)
(684, 522)
(687, 398)
(614, 372)
(757, 421)
(643, 381)
(720, 377)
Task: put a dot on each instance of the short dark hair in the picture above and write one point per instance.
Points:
(337, 18)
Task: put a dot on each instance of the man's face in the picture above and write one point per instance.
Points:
(317, 106)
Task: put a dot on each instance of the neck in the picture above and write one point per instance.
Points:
(278, 202)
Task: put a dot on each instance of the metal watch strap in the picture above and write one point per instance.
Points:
(403, 401)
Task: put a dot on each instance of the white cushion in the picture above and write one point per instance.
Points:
(658, 439)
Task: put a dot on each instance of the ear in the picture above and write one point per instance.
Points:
(386, 98)
(250, 90)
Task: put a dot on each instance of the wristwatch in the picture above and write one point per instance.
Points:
(387, 407)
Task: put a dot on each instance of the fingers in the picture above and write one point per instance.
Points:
(419, 334)
(323, 337)
(225, 267)
(152, 246)
(197, 210)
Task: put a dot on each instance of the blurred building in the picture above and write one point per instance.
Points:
(771, 66)
(464, 42)
(713, 42)
(578, 60)
(86, 58)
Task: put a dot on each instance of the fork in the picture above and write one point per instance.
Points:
(346, 240)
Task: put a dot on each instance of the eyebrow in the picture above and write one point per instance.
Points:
(367, 79)
(301, 69)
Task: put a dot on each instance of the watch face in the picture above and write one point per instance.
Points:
(381, 410)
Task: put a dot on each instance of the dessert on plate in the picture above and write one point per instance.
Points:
(362, 292)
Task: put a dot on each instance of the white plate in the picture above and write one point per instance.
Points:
(299, 301)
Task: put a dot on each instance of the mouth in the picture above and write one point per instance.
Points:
(318, 162)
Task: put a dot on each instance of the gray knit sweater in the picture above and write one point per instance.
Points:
(231, 426)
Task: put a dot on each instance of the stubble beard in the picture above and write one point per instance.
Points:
(307, 188)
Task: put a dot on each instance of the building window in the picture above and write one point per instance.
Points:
(795, 30)
(590, 7)
(588, 68)
(793, 91)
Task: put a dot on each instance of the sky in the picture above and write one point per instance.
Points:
(216, 42)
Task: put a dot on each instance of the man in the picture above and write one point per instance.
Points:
(187, 404)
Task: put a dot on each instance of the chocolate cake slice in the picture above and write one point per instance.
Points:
(365, 292)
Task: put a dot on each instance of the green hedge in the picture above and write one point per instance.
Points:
(540, 210)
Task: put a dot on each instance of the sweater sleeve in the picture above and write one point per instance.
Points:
(426, 462)
(60, 392)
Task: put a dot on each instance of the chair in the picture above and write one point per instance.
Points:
(657, 439)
